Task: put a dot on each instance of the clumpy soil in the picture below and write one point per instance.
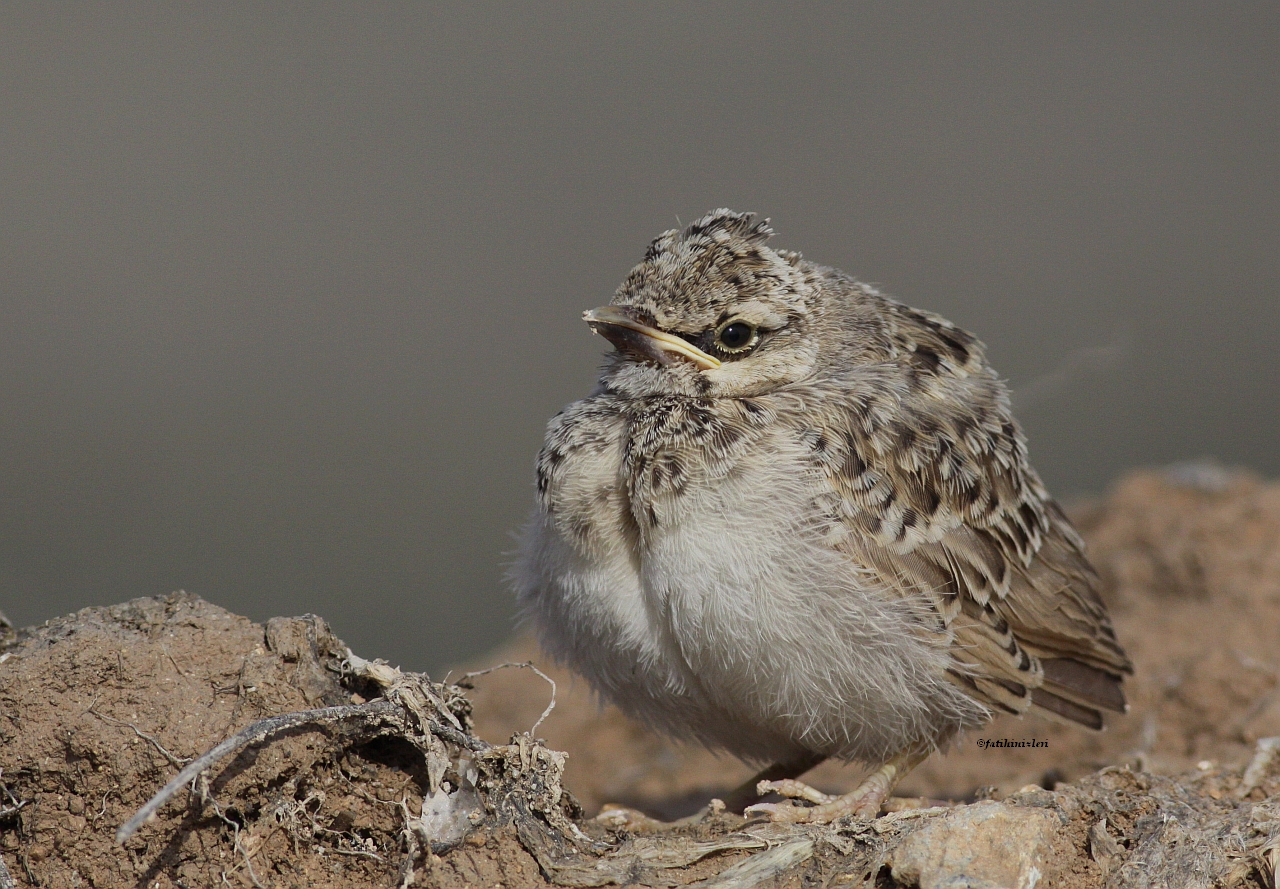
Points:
(100, 709)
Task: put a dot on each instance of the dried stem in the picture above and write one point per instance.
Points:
(525, 665)
(261, 730)
(111, 720)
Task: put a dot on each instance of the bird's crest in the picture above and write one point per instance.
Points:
(724, 251)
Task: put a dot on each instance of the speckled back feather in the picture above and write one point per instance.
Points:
(933, 482)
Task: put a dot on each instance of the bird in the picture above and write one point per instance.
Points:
(795, 520)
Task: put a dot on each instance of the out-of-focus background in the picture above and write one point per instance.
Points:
(290, 292)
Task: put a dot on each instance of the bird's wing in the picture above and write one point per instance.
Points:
(943, 506)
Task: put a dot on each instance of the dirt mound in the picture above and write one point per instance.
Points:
(102, 708)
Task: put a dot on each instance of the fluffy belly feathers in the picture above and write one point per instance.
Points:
(701, 606)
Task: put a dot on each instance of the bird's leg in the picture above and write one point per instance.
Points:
(744, 794)
(864, 802)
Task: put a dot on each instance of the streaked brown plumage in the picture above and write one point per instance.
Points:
(796, 520)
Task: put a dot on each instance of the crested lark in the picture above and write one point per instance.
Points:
(796, 520)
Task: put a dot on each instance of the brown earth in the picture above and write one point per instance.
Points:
(100, 709)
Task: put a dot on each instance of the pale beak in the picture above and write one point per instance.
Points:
(618, 325)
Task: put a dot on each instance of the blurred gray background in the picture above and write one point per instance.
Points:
(290, 291)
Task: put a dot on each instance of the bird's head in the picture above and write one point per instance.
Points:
(713, 311)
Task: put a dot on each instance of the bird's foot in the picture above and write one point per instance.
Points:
(863, 803)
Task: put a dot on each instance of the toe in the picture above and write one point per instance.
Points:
(795, 790)
(778, 813)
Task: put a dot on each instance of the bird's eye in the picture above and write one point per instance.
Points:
(736, 336)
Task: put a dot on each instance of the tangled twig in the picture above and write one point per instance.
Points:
(409, 699)
(522, 664)
(373, 711)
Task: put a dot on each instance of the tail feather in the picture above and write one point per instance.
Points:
(1064, 709)
(1084, 684)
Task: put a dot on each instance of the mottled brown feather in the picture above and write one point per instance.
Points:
(945, 506)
